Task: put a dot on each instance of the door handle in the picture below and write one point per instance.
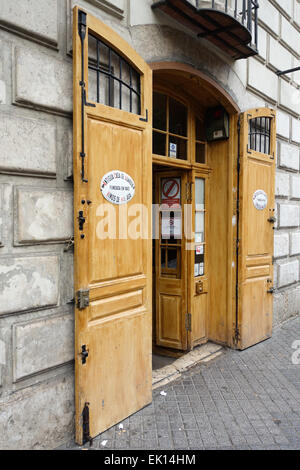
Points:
(272, 220)
(271, 290)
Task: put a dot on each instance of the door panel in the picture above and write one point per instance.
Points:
(199, 318)
(256, 226)
(122, 148)
(170, 319)
(112, 259)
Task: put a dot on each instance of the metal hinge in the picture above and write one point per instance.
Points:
(188, 322)
(83, 299)
(86, 437)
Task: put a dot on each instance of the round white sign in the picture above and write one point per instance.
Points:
(117, 187)
(260, 200)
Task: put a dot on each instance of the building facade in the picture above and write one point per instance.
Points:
(37, 402)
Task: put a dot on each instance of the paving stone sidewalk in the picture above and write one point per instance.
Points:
(241, 400)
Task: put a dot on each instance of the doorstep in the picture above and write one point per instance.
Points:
(203, 353)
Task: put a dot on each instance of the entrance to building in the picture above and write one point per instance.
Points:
(213, 191)
(181, 221)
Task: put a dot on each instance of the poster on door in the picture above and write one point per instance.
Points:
(170, 191)
(171, 225)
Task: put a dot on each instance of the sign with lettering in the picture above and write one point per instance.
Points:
(117, 187)
(260, 200)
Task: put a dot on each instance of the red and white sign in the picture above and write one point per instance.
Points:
(199, 250)
(171, 191)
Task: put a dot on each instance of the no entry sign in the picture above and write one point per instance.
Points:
(170, 191)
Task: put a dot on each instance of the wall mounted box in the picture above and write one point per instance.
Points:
(216, 124)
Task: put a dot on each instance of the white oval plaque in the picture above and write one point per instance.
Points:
(117, 187)
(260, 200)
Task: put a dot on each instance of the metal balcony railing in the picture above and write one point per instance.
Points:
(245, 11)
(229, 24)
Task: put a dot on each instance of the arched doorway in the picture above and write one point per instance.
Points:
(194, 260)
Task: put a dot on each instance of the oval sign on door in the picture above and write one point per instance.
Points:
(260, 200)
(117, 187)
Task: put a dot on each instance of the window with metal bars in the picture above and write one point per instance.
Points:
(112, 80)
(260, 134)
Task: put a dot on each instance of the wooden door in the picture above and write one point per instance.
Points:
(112, 165)
(171, 262)
(256, 226)
(197, 252)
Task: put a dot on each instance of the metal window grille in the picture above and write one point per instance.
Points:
(260, 135)
(113, 81)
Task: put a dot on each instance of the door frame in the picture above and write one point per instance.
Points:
(206, 83)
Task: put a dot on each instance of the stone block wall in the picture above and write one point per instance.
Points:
(36, 189)
(36, 219)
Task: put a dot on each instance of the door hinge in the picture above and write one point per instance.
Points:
(83, 299)
(188, 322)
(86, 437)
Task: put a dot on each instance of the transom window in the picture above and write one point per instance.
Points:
(112, 80)
(177, 132)
(170, 127)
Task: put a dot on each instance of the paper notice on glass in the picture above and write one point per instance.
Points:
(201, 269)
(199, 237)
(171, 226)
(199, 250)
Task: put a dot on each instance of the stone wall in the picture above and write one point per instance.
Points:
(36, 220)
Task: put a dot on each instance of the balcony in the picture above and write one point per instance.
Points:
(231, 25)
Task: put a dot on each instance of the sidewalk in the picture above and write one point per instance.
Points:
(240, 400)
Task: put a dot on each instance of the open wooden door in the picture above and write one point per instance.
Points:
(113, 184)
(172, 321)
(256, 226)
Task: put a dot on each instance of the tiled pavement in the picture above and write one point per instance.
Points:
(241, 400)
